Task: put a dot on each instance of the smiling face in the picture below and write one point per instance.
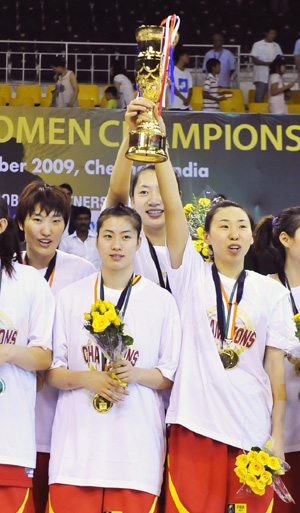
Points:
(42, 234)
(117, 244)
(147, 201)
(230, 236)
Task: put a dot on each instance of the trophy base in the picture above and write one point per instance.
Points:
(147, 146)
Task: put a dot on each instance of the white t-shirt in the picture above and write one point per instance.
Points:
(125, 447)
(26, 318)
(232, 406)
(277, 103)
(144, 264)
(68, 268)
(85, 249)
(292, 413)
(183, 83)
(126, 92)
(266, 52)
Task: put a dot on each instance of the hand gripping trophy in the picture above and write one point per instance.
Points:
(152, 67)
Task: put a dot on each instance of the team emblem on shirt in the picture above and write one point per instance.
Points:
(244, 335)
(8, 335)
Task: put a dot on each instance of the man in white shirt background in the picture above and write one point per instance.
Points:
(83, 241)
(263, 53)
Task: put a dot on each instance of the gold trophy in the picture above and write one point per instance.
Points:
(148, 143)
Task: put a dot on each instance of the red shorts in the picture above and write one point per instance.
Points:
(14, 490)
(291, 481)
(76, 499)
(39, 493)
(201, 477)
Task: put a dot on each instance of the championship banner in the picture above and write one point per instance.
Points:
(250, 158)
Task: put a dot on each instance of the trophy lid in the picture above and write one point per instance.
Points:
(146, 32)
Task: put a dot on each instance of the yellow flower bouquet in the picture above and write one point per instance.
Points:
(105, 325)
(259, 468)
(297, 322)
(195, 215)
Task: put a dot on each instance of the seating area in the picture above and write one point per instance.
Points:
(32, 96)
(241, 22)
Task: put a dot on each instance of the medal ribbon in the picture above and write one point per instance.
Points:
(49, 274)
(163, 284)
(283, 278)
(227, 315)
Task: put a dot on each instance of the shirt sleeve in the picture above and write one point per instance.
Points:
(281, 327)
(206, 85)
(41, 314)
(170, 340)
(60, 344)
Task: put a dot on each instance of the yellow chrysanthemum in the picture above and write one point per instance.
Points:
(200, 232)
(198, 245)
(266, 477)
(251, 480)
(255, 468)
(205, 251)
(100, 323)
(242, 461)
(260, 484)
(258, 491)
(111, 315)
(87, 316)
(297, 317)
(117, 321)
(109, 305)
(188, 208)
(241, 474)
(263, 457)
(252, 455)
(204, 201)
(94, 308)
(274, 463)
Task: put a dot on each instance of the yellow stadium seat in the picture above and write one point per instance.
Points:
(25, 101)
(89, 92)
(2, 101)
(294, 108)
(233, 104)
(30, 91)
(103, 99)
(5, 91)
(251, 96)
(45, 101)
(197, 98)
(86, 103)
(258, 108)
(293, 99)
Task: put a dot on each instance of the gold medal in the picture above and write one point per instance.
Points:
(297, 368)
(2, 387)
(229, 358)
(102, 405)
(292, 360)
(39, 382)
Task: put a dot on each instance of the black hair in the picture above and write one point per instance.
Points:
(212, 63)
(276, 63)
(49, 197)
(224, 204)
(268, 231)
(66, 186)
(121, 210)
(135, 177)
(118, 67)
(112, 90)
(78, 211)
(178, 52)
(9, 241)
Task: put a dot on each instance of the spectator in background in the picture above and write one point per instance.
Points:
(122, 84)
(111, 95)
(297, 58)
(70, 227)
(277, 89)
(225, 57)
(66, 90)
(83, 241)
(263, 54)
(211, 94)
(183, 81)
